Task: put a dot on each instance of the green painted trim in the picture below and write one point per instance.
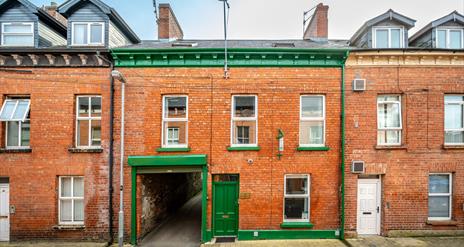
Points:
(209, 236)
(296, 225)
(134, 206)
(287, 234)
(173, 150)
(243, 148)
(312, 148)
(237, 57)
(204, 201)
(171, 160)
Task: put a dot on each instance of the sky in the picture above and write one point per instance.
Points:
(272, 19)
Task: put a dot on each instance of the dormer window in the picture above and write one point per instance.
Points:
(88, 33)
(18, 34)
(388, 37)
(449, 38)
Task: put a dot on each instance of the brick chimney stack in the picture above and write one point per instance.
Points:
(318, 28)
(51, 10)
(168, 26)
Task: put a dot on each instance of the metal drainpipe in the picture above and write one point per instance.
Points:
(121, 164)
(342, 132)
(111, 157)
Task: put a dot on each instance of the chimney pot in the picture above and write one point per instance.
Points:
(168, 26)
(318, 27)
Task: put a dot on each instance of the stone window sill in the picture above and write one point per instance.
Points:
(161, 150)
(15, 150)
(296, 225)
(442, 222)
(257, 148)
(312, 148)
(451, 147)
(85, 150)
(386, 147)
(69, 227)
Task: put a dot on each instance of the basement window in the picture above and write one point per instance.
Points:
(71, 200)
(88, 122)
(15, 113)
(175, 121)
(440, 191)
(454, 119)
(244, 132)
(296, 198)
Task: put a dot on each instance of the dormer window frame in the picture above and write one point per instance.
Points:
(89, 24)
(3, 33)
(448, 30)
(389, 28)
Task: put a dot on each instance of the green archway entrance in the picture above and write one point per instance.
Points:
(167, 164)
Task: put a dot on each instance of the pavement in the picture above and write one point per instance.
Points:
(52, 244)
(182, 230)
(282, 243)
(377, 241)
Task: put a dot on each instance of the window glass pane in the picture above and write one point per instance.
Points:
(13, 134)
(18, 28)
(66, 210)
(175, 107)
(454, 137)
(453, 116)
(19, 40)
(78, 187)
(83, 132)
(439, 206)
(296, 208)
(389, 115)
(242, 130)
(21, 110)
(83, 106)
(244, 106)
(96, 132)
(439, 184)
(312, 132)
(454, 98)
(395, 38)
(312, 106)
(78, 210)
(96, 33)
(175, 133)
(96, 107)
(7, 111)
(80, 34)
(455, 39)
(296, 186)
(381, 38)
(66, 187)
(389, 136)
(441, 39)
(25, 133)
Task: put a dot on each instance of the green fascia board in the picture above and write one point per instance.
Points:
(173, 149)
(296, 225)
(237, 57)
(287, 234)
(168, 160)
(313, 149)
(243, 148)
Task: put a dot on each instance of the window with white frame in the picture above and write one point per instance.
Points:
(388, 37)
(296, 198)
(71, 200)
(449, 38)
(244, 131)
(312, 120)
(88, 121)
(88, 33)
(15, 113)
(18, 34)
(440, 196)
(175, 121)
(389, 124)
(454, 119)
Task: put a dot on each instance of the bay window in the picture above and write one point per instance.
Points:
(389, 124)
(244, 131)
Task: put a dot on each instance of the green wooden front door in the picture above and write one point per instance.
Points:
(225, 205)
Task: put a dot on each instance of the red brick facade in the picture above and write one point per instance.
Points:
(404, 170)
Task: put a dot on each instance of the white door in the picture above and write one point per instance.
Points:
(368, 206)
(4, 212)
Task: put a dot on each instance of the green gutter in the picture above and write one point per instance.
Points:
(342, 132)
